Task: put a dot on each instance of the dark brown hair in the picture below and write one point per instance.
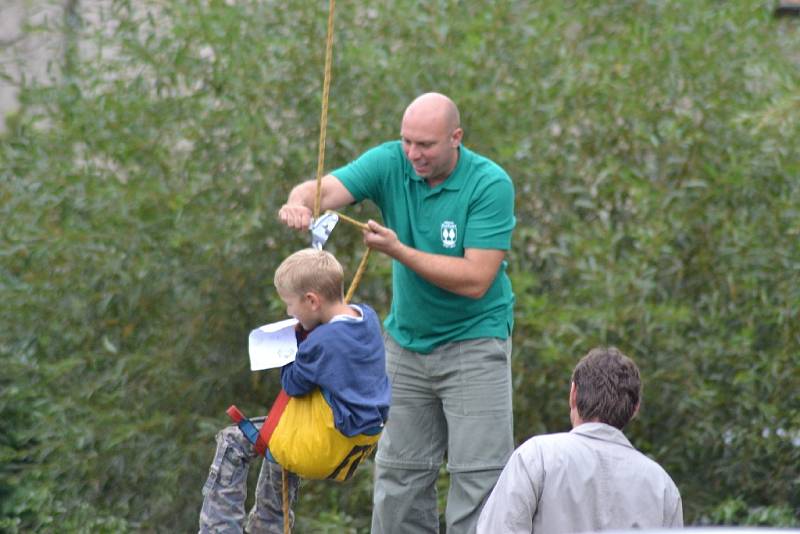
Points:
(608, 387)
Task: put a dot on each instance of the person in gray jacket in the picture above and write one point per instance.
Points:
(591, 478)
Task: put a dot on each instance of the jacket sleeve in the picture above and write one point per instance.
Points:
(301, 376)
(676, 519)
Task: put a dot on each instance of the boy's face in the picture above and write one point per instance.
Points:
(304, 308)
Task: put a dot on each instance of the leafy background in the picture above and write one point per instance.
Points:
(654, 149)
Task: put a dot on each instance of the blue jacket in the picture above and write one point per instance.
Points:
(347, 361)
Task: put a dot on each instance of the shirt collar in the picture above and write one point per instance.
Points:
(349, 318)
(602, 432)
(456, 178)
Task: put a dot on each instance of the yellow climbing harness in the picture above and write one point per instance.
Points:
(307, 442)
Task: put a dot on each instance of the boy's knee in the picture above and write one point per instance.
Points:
(228, 432)
(233, 437)
(233, 450)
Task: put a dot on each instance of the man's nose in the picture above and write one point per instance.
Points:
(413, 152)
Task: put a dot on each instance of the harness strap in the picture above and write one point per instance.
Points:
(260, 438)
(273, 418)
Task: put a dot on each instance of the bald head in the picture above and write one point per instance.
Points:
(434, 108)
(431, 134)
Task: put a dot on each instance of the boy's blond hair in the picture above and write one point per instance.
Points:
(311, 270)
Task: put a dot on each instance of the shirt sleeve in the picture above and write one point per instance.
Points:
(514, 500)
(491, 217)
(364, 176)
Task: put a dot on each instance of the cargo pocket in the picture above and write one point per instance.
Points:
(229, 466)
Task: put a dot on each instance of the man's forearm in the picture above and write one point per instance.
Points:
(303, 194)
(297, 211)
(334, 194)
(462, 276)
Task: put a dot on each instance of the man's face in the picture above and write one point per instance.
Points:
(430, 147)
(301, 307)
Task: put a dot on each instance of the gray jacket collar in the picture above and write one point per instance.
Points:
(602, 432)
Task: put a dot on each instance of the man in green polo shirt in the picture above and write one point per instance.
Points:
(449, 215)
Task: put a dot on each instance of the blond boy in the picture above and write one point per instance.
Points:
(340, 400)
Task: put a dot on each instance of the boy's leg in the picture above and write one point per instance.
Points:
(410, 450)
(266, 516)
(225, 489)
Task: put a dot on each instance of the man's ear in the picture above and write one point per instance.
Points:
(456, 136)
(573, 396)
(636, 410)
(574, 416)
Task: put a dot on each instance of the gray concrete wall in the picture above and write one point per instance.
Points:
(33, 41)
(25, 53)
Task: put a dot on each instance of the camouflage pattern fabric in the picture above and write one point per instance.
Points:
(225, 490)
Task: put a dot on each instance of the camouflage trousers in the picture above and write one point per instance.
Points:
(225, 490)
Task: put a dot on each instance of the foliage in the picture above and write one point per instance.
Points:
(736, 512)
(653, 146)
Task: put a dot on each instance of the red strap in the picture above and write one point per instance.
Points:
(234, 413)
(273, 417)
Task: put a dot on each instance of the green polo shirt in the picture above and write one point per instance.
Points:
(472, 208)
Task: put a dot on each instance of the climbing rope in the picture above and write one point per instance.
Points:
(323, 120)
(287, 527)
(357, 277)
(323, 128)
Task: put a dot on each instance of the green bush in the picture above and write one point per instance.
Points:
(653, 147)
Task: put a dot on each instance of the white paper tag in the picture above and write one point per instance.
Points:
(272, 345)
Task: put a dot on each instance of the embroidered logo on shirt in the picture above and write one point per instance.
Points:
(449, 233)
